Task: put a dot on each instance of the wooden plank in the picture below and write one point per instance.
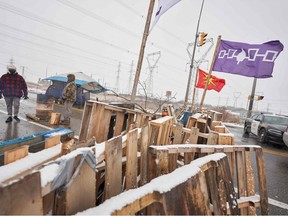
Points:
(113, 167)
(228, 180)
(144, 154)
(15, 154)
(162, 165)
(262, 182)
(194, 133)
(214, 191)
(220, 129)
(119, 123)
(22, 197)
(130, 121)
(131, 164)
(81, 194)
(250, 180)
(212, 139)
(173, 162)
(224, 139)
(85, 118)
(52, 141)
(177, 134)
(240, 171)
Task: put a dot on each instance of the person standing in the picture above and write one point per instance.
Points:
(69, 98)
(13, 87)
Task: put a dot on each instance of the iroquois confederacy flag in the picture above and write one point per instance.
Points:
(214, 82)
(163, 6)
(252, 60)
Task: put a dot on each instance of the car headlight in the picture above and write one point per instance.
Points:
(275, 131)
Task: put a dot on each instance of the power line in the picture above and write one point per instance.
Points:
(62, 44)
(23, 13)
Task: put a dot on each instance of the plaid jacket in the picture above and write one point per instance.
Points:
(13, 85)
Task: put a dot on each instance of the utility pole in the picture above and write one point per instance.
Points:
(252, 98)
(192, 58)
(142, 49)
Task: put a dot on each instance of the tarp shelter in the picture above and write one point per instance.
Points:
(85, 86)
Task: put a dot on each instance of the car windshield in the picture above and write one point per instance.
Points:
(276, 120)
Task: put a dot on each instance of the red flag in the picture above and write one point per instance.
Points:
(214, 82)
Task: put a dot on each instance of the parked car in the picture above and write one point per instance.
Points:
(285, 137)
(267, 127)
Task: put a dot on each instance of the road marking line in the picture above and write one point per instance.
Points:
(275, 152)
(37, 124)
(277, 203)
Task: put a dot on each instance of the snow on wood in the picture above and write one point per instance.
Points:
(171, 180)
(33, 159)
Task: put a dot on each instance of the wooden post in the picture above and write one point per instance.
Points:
(210, 71)
(142, 49)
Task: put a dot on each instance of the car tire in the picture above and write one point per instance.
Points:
(262, 135)
(246, 130)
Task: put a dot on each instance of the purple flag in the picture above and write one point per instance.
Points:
(252, 60)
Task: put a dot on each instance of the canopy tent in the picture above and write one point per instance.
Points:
(81, 79)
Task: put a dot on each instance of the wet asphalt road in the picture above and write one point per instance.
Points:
(27, 126)
(276, 169)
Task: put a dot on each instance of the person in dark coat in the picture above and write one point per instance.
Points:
(13, 87)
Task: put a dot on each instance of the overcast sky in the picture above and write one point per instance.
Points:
(103, 37)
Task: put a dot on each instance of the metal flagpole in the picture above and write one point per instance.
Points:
(192, 58)
(210, 72)
(142, 49)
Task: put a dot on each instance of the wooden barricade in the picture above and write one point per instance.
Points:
(160, 163)
(104, 121)
(184, 191)
(160, 130)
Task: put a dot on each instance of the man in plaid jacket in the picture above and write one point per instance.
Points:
(13, 87)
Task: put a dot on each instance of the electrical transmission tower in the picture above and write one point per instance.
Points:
(152, 60)
(130, 78)
(236, 97)
(117, 83)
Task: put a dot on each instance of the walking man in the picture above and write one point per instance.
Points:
(69, 98)
(13, 87)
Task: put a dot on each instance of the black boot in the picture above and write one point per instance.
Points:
(9, 119)
(16, 118)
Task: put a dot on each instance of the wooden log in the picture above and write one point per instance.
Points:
(15, 154)
(55, 118)
(33, 117)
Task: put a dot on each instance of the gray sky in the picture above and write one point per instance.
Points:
(94, 36)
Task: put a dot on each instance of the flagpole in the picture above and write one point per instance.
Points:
(210, 71)
(194, 90)
(142, 49)
(192, 58)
